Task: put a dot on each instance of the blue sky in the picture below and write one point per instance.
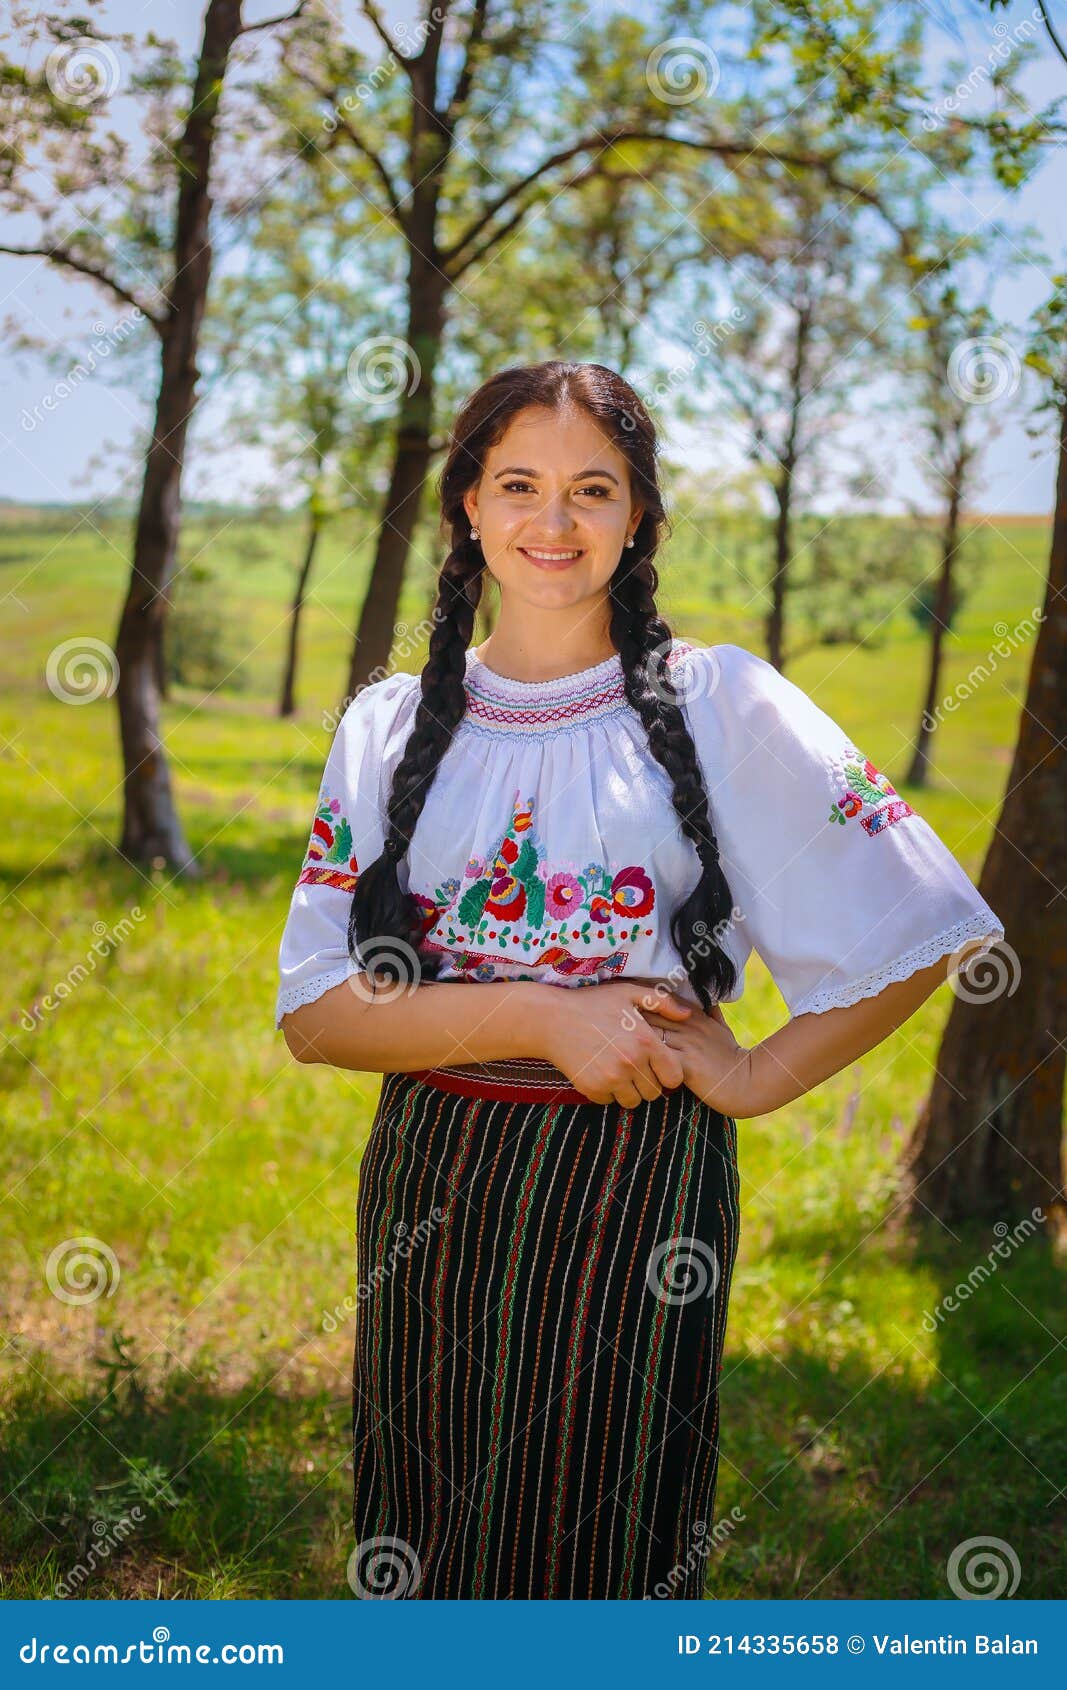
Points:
(85, 447)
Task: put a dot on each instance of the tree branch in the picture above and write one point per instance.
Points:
(63, 255)
(344, 126)
(271, 23)
(1053, 37)
(461, 92)
(743, 148)
(374, 16)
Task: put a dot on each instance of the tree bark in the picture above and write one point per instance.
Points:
(942, 613)
(427, 288)
(988, 1141)
(151, 827)
(783, 544)
(288, 699)
(783, 492)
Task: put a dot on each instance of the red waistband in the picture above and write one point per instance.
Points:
(527, 1081)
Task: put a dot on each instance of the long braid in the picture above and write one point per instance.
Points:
(381, 912)
(641, 637)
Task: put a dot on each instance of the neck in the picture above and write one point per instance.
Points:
(532, 647)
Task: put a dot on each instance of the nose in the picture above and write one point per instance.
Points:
(555, 518)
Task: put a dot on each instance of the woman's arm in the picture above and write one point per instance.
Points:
(436, 1024)
(746, 1081)
(811, 1048)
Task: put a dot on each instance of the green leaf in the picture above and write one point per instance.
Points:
(472, 902)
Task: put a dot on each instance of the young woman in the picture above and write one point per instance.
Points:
(548, 1203)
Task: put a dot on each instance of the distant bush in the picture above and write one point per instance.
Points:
(199, 644)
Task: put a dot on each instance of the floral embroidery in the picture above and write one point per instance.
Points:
(866, 785)
(328, 860)
(512, 899)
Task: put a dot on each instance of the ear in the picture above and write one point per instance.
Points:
(470, 505)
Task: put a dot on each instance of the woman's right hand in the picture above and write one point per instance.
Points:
(598, 1037)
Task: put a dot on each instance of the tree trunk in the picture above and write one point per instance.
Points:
(151, 828)
(783, 544)
(288, 698)
(783, 489)
(987, 1143)
(942, 612)
(375, 632)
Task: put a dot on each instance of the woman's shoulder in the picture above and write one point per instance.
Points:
(728, 675)
(379, 713)
(743, 713)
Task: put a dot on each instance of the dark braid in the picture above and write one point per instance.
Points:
(642, 639)
(383, 919)
(380, 911)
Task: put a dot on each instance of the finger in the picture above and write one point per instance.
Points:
(647, 1084)
(668, 1066)
(628, 1097)
(675, 1007)
(644, 1080)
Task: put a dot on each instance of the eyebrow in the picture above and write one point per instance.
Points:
(517, 469)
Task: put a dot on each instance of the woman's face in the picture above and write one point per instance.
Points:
(555, 485)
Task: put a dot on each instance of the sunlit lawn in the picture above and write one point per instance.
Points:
(155, 1108)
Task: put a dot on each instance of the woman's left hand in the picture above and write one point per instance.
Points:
(716, 1068)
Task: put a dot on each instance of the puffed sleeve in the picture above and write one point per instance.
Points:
(346, 831)
(838, 884)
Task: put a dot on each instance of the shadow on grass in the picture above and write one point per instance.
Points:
(840, 1476)
(194, 1492)
(860, 1479)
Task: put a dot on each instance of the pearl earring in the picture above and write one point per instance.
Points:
(629, 539)
(475, 532)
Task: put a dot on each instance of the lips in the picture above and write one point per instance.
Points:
(548, 561)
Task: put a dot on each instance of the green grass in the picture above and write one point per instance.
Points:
(155, 1108)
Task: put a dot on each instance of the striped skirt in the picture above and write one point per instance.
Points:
(542, 1294)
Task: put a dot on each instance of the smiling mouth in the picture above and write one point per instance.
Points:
(551, 557)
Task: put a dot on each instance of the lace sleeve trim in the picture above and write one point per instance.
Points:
(291, 997)
(975, 926)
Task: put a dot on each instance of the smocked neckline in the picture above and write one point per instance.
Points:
(490, 682)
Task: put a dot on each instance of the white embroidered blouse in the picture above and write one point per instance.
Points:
(549, 849)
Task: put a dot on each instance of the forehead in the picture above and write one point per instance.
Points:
(545, 440)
